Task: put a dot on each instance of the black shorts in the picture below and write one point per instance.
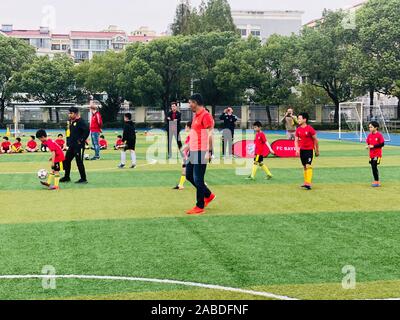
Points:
(58, 166)
(259, 159)
(307, 157)
(130, 145)
(375, 160)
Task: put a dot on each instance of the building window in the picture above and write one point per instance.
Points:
(65, 47)
(80, 44)
(118, 46)
(243, 32)
(40, 43)
(81, 56)
(55, 47)
(256, 33)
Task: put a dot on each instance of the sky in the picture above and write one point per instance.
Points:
(129, 15)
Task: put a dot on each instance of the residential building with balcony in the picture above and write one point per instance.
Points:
(81, 45)
(263, 24)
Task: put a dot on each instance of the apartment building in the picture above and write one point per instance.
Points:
(81, 45)
(263, 24)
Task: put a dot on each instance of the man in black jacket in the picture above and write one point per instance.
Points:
(228, 134)
(129, 139)
(174, 118)
(79, 132)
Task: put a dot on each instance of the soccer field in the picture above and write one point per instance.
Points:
(261, 237)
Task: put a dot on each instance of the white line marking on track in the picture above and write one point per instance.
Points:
(152, 163)
(164, 281)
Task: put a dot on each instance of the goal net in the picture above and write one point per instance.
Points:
(354, 118)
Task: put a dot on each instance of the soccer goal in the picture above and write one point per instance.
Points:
(354, 118)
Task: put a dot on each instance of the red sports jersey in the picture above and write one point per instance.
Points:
(54, 147)
(60, 142)
(17, 145)
(119, 142)
(103, 143)
(6, 145)
(260, 142)
(31, 144)
(305, 135)
(202, 121)
(375, 139)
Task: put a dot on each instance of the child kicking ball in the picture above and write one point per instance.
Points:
(57, 158)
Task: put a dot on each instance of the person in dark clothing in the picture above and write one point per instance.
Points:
(228, 134)
(174, 118)
(79, 132)
(129, 139)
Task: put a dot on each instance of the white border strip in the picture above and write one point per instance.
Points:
(163, 281)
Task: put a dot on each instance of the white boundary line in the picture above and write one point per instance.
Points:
(88, 170)
(164, 281)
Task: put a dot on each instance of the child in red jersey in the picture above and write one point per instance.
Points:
(103, 143)
(5, 146)
(375, 143)
(57, 158)
(306, 143)
(61, 142)
(185, 154)
(119, 143)
(31, 145)
(262, 145)
(17, 146)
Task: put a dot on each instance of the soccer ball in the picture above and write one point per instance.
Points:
(42, 174)
(86, 157)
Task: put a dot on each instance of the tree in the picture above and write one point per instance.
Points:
(103, 75)
(49, 80)
(217, 16)
(263, 74)
(213, 16)
(377, 57)
(185, 19)
(165, 60)
(322, 52)
(143, 86)
(205, 51)
(15, 54)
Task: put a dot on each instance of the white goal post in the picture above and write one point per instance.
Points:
(354, 118)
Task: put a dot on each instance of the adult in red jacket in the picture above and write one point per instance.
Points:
(96, 124)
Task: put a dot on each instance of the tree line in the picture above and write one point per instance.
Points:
(338, 59)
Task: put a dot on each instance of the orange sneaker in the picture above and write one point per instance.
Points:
(54, 188)
(196, 211)
(207, 201)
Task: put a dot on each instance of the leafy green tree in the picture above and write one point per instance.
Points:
(211, 16)
(376, 60)
(205, 52)
(49, 80)
(15, 54)
(217, 16)
(103, 75)
(165, 60)
(262, 74)
(322, 52)
(306, 97)
(143, 86)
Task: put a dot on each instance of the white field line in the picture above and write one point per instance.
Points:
(163, 281)
(88, 170)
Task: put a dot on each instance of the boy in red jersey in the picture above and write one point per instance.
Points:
(185, 153)
(31, 145)
(262, 145)
(5, 146)
(306, 143)
(375, 143)
(61, 142)
(103, 143)
(57, 158)
(119, 143)
(17, 146)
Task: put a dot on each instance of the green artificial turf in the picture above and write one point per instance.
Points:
(267, 235)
